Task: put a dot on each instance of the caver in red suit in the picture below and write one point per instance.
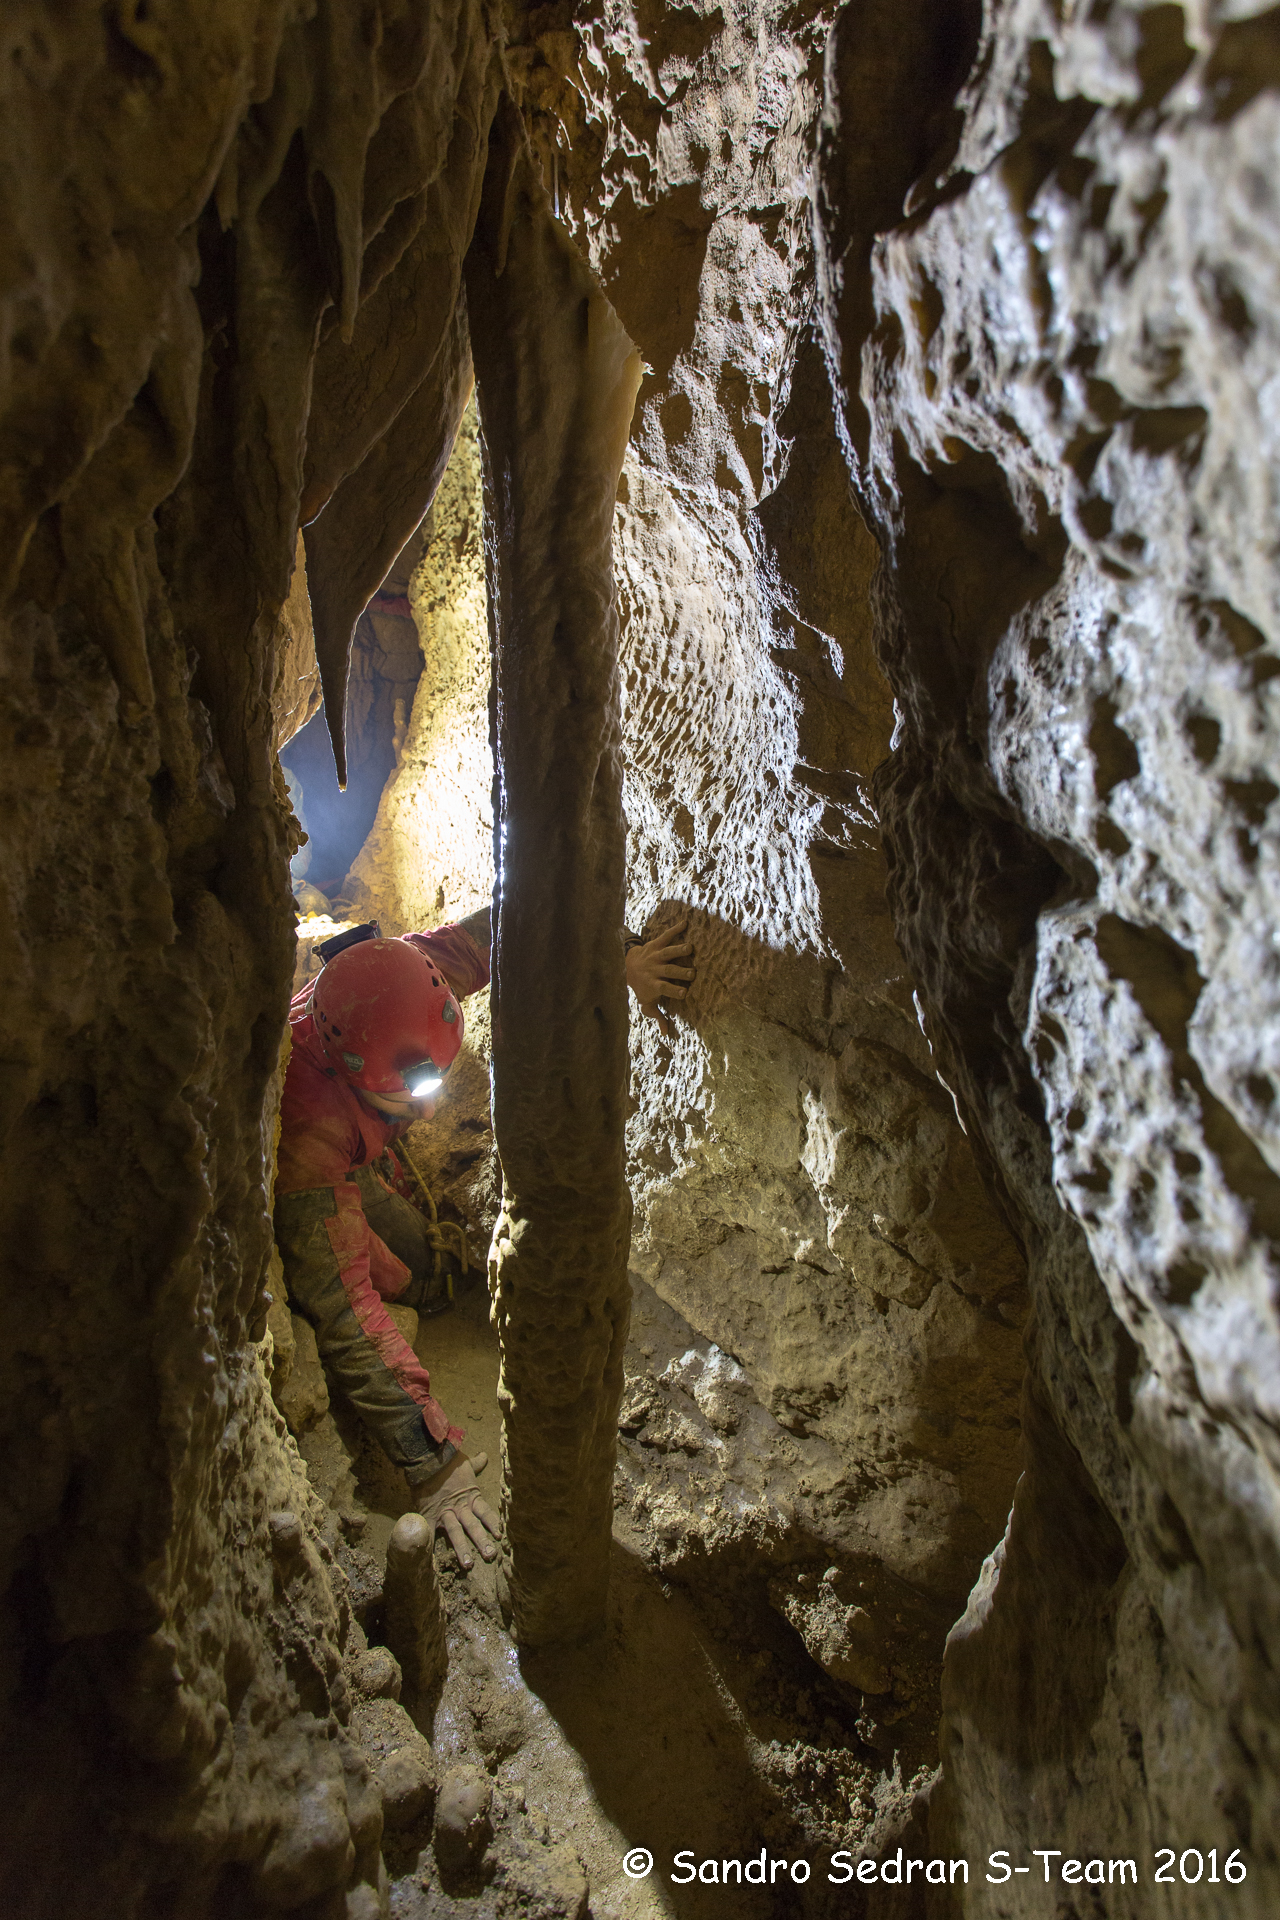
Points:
(381, 1022)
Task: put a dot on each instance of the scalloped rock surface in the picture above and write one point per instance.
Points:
(1054, 381)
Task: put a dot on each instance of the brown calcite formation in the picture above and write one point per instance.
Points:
(296, 694)
(541, 328)
(392, 380)
(350, 548)
(1048, 295)
(415, 1620)
(192, 199)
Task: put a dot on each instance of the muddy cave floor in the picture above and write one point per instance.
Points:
(697, 1720)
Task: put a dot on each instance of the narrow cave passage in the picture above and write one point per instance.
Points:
(742, 1686)
(857, 563)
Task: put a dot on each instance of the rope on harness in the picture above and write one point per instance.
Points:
(438, 1229)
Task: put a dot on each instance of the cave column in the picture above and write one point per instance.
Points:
(556, 379)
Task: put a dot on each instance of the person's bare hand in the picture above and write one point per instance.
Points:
(656, 971)
(453, 1505)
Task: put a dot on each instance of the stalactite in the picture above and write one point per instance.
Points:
(557, 377)
(386, 405)
(373, 512)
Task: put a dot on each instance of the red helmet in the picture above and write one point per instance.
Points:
(386, 1018)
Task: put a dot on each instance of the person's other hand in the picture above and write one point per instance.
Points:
(453, 1505)
(655, 972)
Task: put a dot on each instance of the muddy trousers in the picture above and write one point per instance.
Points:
(362, 1351)
(400, 1226)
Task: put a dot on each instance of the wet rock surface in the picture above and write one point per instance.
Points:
(557, 1763)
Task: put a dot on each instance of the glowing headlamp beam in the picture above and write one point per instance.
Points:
(424, 1080)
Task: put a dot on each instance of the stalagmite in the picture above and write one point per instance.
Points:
(462, 1825)
(557, 378)
(414, 1615)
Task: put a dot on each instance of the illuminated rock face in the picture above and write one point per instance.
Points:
(1052, 381)
(804, 1194)
(429, 858)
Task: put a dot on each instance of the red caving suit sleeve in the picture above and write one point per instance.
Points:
(461, 952)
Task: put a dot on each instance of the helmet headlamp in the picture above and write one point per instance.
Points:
(423, 1080)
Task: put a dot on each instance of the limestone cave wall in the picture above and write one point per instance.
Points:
(195, 200)
(1047, 268)
(946, 620)
(805, 1195)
